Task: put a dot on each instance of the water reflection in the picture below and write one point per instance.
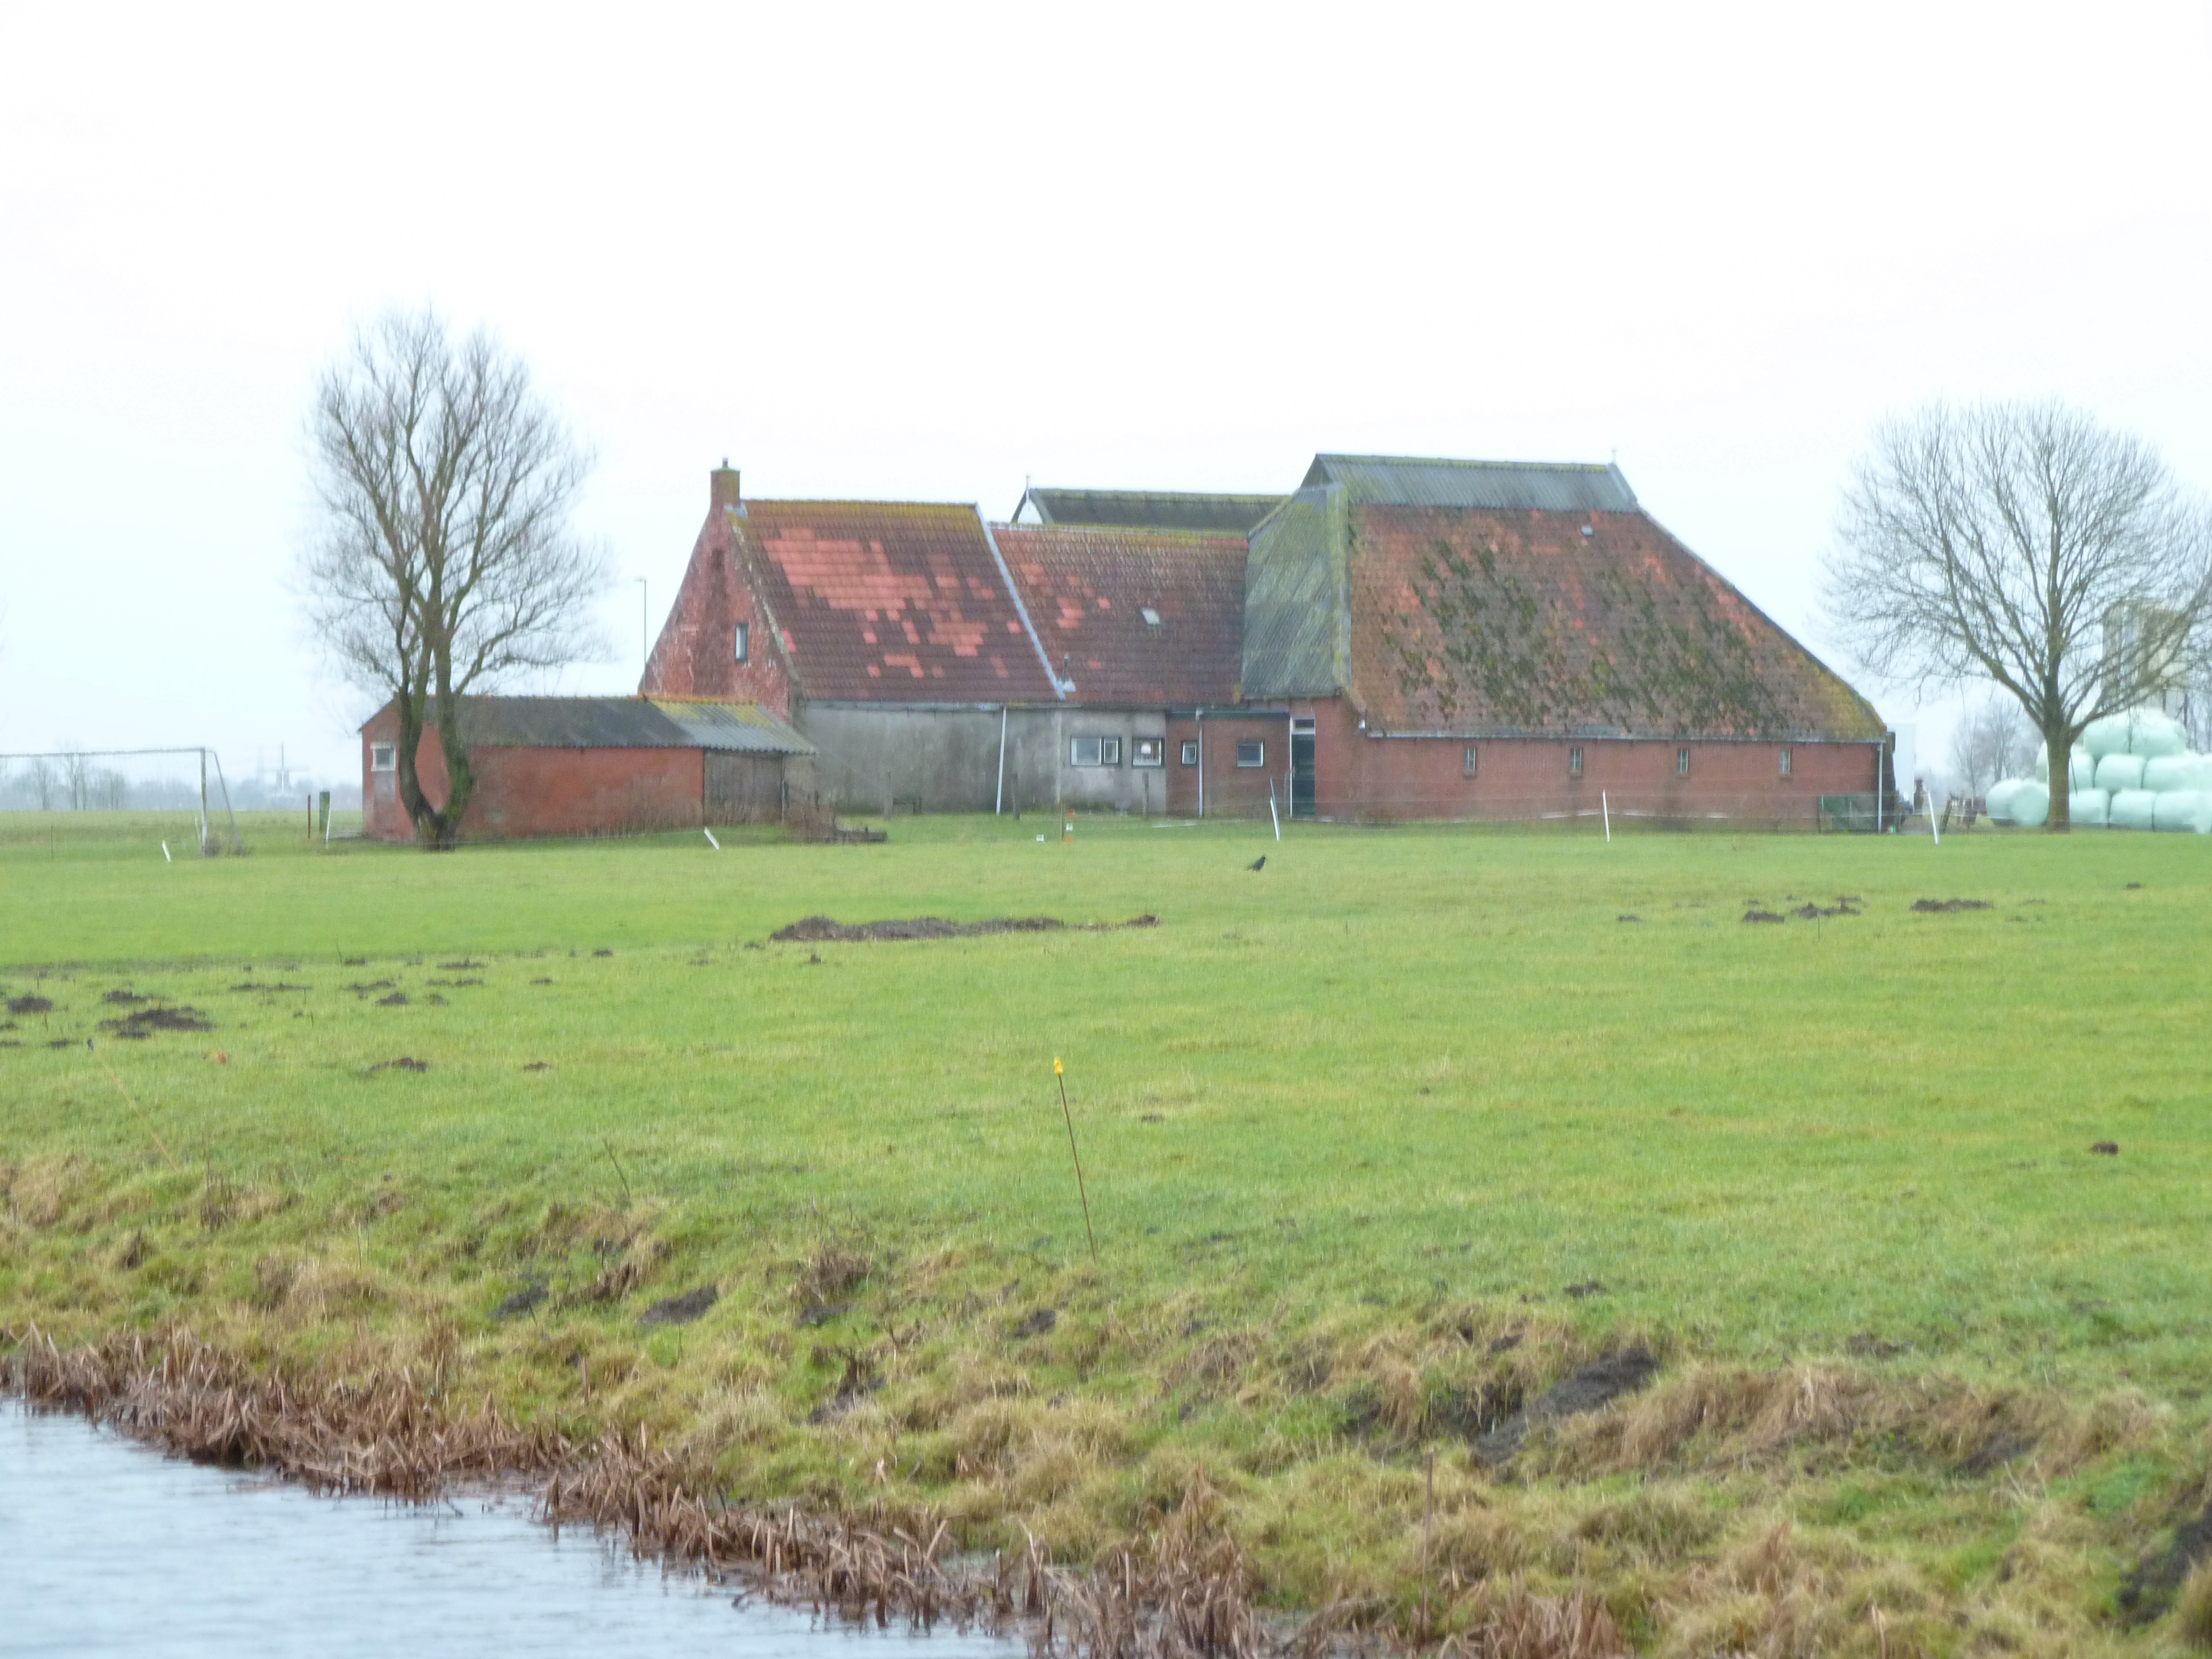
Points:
(106, 1547)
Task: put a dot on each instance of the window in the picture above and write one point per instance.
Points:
(1785, 763)
(1152, 616)
(1094, 751)
(1681, 763)
(1148, 751)
(744, 640)
(383, 757)
(1467, 760)
(1251, 754)
(1574, 763)
(1189, 751)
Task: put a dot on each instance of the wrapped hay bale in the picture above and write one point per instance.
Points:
(2117, 772)
(2164, 773)
(2030, 805)
(1997, 802)
(2107, 735)
(2184, 808)
(2132, 809)
(2089, 808)
(2082, 769)
(2154, 735)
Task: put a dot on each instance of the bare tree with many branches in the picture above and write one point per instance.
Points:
(444, 563)
(1999, 542)
(1994, 741)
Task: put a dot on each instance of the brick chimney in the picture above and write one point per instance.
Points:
(722, 486)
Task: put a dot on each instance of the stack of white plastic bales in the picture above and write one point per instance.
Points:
(2132, 771)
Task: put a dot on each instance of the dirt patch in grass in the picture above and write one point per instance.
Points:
(1943, 907)
(397, 999)
(404, 1063)
(1595, 1385)
(1762, 916)
(2150, 1589)
(823, 930)
(144, 1022)
(30, 1006)
(681, 1310)
(280, 986)
(125, 998)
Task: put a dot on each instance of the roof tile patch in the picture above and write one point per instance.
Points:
(1087, 587)
(863, 587)
(1515, 622)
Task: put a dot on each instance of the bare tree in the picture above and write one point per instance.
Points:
(1997, 541)
(1993, 741)
(444, 563)
(43, 781)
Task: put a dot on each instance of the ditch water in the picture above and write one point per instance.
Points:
(109, 1547)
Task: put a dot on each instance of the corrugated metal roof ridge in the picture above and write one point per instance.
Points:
(706, 717)
(1296, 609)
(1545, 486)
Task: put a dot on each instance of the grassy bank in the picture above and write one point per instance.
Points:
(1383, 1141)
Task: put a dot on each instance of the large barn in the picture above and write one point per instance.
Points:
(1395, 639)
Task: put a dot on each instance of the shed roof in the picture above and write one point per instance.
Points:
(1149, 509)
(493, 722)
(1516, 623)
(890, 601)
(1137, 616)
(1406, 481)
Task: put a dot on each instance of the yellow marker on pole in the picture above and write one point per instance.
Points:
(1059, 1072)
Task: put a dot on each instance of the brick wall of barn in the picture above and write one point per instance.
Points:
(1360, 777)
(697, 654)
(523, 793)
(1232, 791)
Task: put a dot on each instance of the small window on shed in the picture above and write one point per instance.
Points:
(1094, 751)
(1681, 763)
(1249, 755)
(383, 757)
(1149, 752)
(1785, 763)
(1467, 760)
(1190, 752)
(1575, 763)
(745, 641)
(1152, 616)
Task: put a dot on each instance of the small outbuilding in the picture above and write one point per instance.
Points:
(598, 766)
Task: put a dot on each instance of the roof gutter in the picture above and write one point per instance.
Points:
(1060, 688)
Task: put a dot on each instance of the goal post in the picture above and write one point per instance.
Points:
(189, 782)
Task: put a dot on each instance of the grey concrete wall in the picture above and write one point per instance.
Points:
(879, 758)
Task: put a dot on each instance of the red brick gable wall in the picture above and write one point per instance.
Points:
(697, 654)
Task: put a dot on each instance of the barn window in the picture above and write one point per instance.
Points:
(1149, 752)
(383, 757)
(1574, 763)
(1785, 763)
(1249, 755)
(1467, 760)
(1190, 752)
(1094, 751)
(1681, 763)
(744, 640)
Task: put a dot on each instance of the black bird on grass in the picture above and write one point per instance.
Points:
(1260, 863)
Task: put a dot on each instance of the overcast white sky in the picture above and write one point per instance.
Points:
(922, 252)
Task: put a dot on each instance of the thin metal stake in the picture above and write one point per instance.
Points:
(1059, 1072)
(1606, 807)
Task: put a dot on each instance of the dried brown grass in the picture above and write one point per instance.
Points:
(1181, 1590)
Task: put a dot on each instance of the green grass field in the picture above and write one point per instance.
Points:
(1380, 1142)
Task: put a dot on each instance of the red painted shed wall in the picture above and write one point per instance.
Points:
(522, 792)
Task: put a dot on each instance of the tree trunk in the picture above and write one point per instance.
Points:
(460, 776)
(2060, 745)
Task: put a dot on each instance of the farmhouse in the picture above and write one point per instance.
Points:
(1396, 638)
(586, 766)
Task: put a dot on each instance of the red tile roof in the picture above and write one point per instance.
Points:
(1513, 622)
(1088, 590)
(890, 602)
